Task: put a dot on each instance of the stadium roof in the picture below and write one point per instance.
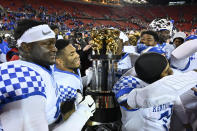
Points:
(161, 2)
(137, 2)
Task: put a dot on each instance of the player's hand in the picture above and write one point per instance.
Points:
(194, 89)
(87, 102)
(87, 47)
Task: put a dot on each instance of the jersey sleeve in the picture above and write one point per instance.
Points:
(66, 92)
(180, 64)
(165, 90)
(124, 86)
(19, 82)
(185, 50)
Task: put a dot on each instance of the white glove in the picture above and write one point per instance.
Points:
(85, 109)
(89, 74)
(86, 102)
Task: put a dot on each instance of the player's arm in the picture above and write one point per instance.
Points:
(185, 50)
(22, 97)
(26, 114)
(85, 109)
(194, 89)
(186, 102)
(180, 64)
(181, 113)
(123, 87)
(180, 56)
(162, 91)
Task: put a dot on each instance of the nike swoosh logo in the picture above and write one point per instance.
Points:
(90, 105)
(46, 33)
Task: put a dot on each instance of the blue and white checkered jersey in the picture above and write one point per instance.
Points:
(68, 83)
(124, 86)
(186, 64)
(156, 118)
(125, 62)
(20, 80)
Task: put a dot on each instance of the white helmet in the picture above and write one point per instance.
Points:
(161, 24)
(179, 35)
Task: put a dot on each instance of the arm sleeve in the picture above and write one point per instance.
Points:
(66, 92)
(124, 86)
(180, 64)
(26, 114)
(75, 122)
(165, 90)
(185, 50)
(19, 82)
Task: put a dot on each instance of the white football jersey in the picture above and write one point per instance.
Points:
(20, 80)
(68, 83)
(156, 118)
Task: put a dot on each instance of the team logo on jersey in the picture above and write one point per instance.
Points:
(161, 107)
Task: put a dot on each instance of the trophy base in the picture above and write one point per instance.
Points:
(114, 126)
(105, 115)
(105, 57)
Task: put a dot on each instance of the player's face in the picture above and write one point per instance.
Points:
(167, 71)
(44, 52)
(71, 57)
(164, 35)
(177, 42)
(148, 40)
(56, 31)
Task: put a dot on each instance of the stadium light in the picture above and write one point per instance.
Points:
(136, 1)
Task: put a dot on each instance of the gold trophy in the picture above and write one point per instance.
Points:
(106, 39)
(107, 50)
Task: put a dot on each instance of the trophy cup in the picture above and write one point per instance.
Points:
(107, 50)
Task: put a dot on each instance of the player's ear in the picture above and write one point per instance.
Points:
(58, 61)
(25, 49)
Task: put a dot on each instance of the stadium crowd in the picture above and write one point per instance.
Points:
(45, 68)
